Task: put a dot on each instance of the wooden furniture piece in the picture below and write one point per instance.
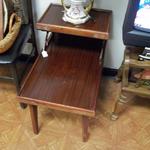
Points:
(68, 79)
(15, 60)
(130, 61)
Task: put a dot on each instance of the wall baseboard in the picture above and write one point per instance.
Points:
(109, 72)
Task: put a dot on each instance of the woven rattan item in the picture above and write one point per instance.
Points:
(14, 28)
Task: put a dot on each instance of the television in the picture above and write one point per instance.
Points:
(136, 26)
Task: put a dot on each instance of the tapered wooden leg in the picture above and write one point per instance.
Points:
(85, 125)
(121, 100)
(34, 118)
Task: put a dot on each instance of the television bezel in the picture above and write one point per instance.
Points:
(131, 35)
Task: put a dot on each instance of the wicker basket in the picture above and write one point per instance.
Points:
(9, 39)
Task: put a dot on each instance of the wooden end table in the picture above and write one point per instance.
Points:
(69, 78)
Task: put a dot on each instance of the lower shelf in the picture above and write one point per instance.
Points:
(68, 79)
(139, 90)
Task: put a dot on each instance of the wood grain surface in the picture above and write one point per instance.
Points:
(96, 27)
(68, 79)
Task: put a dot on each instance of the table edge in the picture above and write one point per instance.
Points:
(56, 106)
(61, 29)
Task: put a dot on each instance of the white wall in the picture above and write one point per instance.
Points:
(115, 47)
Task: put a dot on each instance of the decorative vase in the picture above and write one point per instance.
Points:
(77, 13)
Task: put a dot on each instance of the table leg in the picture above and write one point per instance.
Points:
(34, 118)
(121, 100)
(85, 125)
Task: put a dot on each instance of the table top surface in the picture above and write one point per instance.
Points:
(68, 79)
(96, 27)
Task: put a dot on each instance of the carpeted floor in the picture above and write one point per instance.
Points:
(63, 131)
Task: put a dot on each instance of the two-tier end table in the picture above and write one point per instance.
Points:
(69, 78)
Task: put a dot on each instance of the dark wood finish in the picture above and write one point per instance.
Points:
(97, 27)
(1, 19)
(34, 118)
(70, 78)
(85, 125)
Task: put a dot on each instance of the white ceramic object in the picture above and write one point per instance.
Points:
(76, 13)
(5, 15)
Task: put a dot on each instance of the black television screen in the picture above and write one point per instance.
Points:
(136, 30)
(142, 19)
